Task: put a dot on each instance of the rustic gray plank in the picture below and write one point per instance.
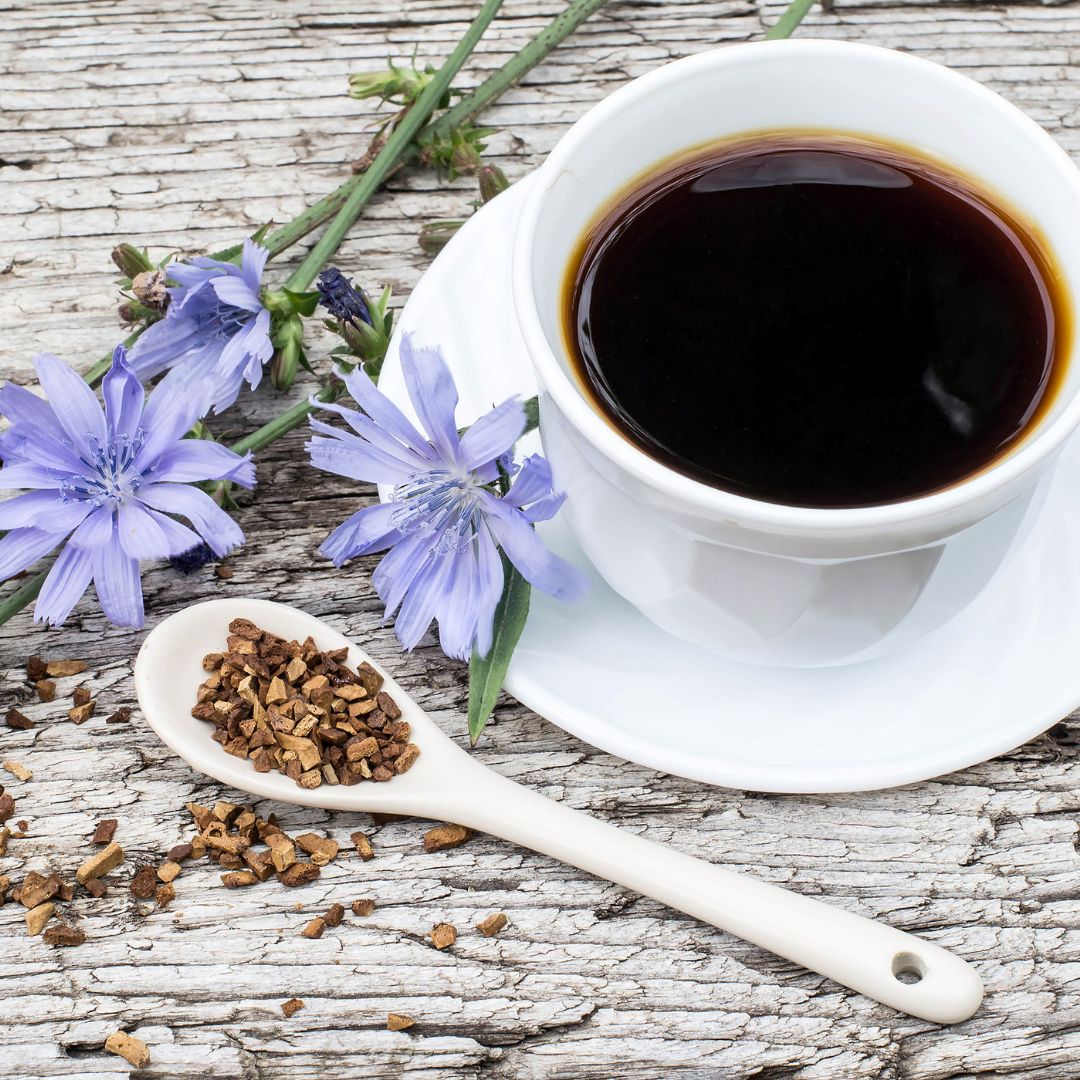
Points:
(182, 125)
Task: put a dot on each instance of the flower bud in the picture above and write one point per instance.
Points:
(365, 84)
(288, 352)
(344, 300)
(435, 235)
(492, 181)
(284, 367)
(363, 340)
(402, 85)
(465, 158)
(130, 260)
(135, 313)
(428, 155)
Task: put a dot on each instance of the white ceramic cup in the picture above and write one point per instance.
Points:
(757, 581)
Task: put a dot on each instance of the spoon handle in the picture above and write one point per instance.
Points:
(888, 965)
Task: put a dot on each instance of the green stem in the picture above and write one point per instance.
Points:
(264, 436)
(785, 26)
(25, 594)
(388, 157)
(519, 65)
(309, 220)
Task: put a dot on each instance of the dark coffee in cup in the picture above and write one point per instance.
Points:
(817, 320)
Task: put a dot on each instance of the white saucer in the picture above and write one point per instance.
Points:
(1003, 671)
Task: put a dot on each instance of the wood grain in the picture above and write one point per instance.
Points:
(182, 125)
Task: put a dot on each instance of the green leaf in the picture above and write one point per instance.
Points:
(486, 673)
(259, 235)
(305, 363)
(304, 303)
(532, 414)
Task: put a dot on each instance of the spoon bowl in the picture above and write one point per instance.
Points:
(446, 783)
(169, 671)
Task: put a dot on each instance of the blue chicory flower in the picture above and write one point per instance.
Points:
(342, 298)
(447, 519)
(107, 480)
(216, 327)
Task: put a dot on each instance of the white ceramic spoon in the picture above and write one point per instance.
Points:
(448, 784)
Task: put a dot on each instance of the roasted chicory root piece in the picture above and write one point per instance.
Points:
(294, 708)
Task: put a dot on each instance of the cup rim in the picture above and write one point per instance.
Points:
(587, 421)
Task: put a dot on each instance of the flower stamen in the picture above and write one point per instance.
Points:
(440, 503)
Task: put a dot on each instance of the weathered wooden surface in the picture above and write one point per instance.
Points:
(183, 125)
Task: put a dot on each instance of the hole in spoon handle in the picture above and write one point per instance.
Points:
(929, 982)
(908, 968)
